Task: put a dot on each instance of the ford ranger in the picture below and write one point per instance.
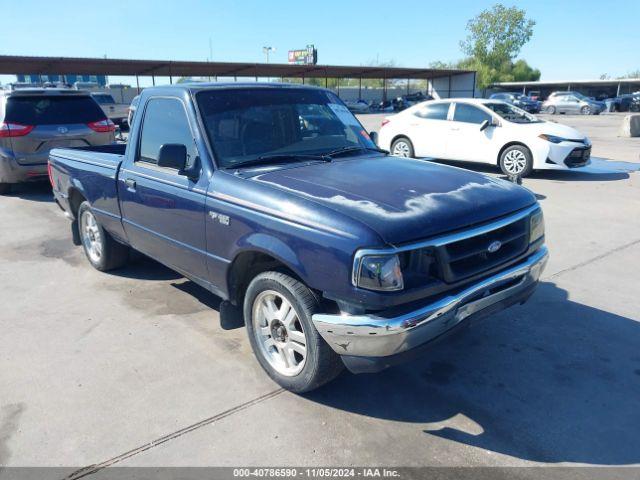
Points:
(274, 198)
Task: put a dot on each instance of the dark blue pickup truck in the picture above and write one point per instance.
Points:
(275, 198)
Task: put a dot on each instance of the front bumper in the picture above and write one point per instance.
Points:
(376, 335)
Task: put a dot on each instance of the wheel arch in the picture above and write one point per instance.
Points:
(249, 263)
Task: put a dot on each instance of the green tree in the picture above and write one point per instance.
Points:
(497, 35)
(495, 38)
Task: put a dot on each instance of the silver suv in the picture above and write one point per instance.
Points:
(572, 102)
(35, 120)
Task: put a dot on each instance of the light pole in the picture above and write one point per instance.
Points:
(267, 50)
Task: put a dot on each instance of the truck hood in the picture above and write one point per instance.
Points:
(401, 199)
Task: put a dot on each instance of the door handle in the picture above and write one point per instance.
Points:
(130, 183)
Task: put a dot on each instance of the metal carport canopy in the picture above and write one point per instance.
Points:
(10, 64)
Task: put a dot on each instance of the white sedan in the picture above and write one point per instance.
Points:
(484, 131)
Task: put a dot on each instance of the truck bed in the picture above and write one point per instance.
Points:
(92, 173)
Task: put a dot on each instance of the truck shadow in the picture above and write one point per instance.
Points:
(36, 191)
(551, 381)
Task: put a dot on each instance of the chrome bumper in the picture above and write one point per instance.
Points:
(380, 336)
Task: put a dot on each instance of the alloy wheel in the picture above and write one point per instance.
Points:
(279, 333)
(91, 236)
(401, 149)
(515, 162)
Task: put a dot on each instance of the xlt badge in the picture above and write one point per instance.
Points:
(223, 219)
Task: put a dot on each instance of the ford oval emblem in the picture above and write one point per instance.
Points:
(63, 129)
(494, 246)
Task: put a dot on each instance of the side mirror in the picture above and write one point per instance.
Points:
(486, 124)
(374, 137)
(173, 155)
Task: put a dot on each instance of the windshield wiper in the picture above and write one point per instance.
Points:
(344, 150)
(278, 158)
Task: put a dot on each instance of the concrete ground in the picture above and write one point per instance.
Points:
(135, 368)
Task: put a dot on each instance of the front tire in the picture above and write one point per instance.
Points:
(5, 188)
(586, 110)
(277, 313)
(551, 110)
(516, 160)
(102, 251)
(402, 147)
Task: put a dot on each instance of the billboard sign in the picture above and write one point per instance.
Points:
(308, 56)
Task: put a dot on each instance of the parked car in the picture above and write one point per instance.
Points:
(357, 106)
(484, 131)
(572, 102)
(132, 110)
(535, 95)
(33, 121)
(406, 101)
(116, 112)
(623, 103)
(338, 253)
(519, 100)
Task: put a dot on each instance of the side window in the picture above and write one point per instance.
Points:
(434, 111)
(469, 114)
(165, 121)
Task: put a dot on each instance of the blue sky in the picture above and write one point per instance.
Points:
(572, 39)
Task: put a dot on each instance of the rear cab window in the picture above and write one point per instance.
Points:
(52, 110)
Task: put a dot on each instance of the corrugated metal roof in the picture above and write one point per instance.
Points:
(10, 64)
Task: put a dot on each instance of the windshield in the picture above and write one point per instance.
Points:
(511, 113)
(248, 124)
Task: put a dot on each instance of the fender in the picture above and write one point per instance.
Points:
(274, 247)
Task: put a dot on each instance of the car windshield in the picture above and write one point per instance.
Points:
(249, 125)
(511, 113)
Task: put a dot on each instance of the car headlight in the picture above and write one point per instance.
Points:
(378, 272)
(552, 138)
(536, 226)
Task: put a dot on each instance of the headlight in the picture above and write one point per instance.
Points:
(552, 138)
(378, 272)
(536, 226)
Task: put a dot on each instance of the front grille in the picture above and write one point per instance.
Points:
(470, 256)
(578, 157)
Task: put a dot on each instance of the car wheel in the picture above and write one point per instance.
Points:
(102, 251)
(551, 110)
(5, 188)
(402, 147)
(516, 160)
(277, 313)
(586, 110)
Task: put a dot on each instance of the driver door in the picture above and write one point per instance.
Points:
(163, 212)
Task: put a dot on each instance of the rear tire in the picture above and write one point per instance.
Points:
(5, 188)
(402, 147)
(102, 251)
(277, 313)
(516, 160)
